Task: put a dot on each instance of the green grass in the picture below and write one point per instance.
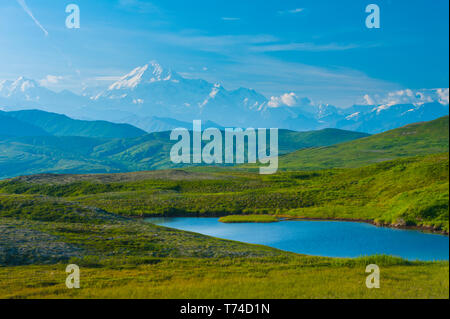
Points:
(36, 229)
(248, 219)
(411, 140)
(324, 149)
(231, 278)
(404, 192)
(128, 258)
(83, 153)
(48, 221)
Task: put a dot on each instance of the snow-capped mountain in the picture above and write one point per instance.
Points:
(24, 93)
(394, 109)
(376, 119)
(153, 97)
(149, 73)
(152, 90)
(21, 88)
(415, 97)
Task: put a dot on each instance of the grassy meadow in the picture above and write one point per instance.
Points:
(411, 140)
(231, 278)
(96, 221)
(49, 221)
(405, 192)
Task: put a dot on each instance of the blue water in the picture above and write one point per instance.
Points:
(321, 238)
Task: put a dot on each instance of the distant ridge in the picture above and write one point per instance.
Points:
(61, 125)
(10, 126)
(91, 150)
(411, 140)
(329, 148)
(152, 97)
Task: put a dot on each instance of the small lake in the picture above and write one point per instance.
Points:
(321, 238)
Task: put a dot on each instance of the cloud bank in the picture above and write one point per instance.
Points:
(28, 11)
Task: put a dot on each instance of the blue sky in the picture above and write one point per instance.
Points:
(319, 49)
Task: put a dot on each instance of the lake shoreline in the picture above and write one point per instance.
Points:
(233, 219)
(424, 229)
(327, 238)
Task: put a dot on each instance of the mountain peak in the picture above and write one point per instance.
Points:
(18, 86)
(23, 84)
(148, 73)
(408, 96)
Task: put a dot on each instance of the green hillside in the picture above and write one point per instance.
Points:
(48, 221)
(406, 192)
(411, 140)
(153, 151)
(147, 152)
(35, 155)
(290, 141)
(72, 155)
(10, 126)
(61, 125)
(128, 258)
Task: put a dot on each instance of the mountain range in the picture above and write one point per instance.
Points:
(62, 125)
(154, 98)
(34, 141)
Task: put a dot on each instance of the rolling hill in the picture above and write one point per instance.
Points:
(34, 155)
(152, 151)
(410, 191)
(328, 148)
(13, 127)
(61, 125)
(411, 140)
(93, 152)
(47, 222)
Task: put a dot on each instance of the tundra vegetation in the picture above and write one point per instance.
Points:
(404, 192)
(48, 221)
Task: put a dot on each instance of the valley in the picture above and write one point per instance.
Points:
(95, 221)
(79, 147)
(195, 151)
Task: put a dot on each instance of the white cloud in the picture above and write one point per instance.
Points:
(220, 44)
(28, 11)
(292, 11)
(50, 80)
(311, 47)
(230, 19)
(443, 95)
(139, 6)
(368, 100)
(290, 100)
(287, 99)
(298, 10)
(236, 64)
(408, 96)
